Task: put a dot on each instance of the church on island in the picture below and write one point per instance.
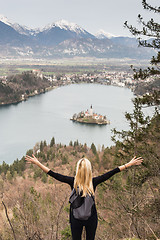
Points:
(90, 117)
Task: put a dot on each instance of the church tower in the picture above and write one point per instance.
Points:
(91, 111)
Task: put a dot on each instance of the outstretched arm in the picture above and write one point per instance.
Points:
(107, 175)
(35, 161)
(134, 161)
(62, 178)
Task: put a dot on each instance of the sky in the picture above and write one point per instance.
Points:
(92, 15)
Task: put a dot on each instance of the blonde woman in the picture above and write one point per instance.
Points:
(86, 185)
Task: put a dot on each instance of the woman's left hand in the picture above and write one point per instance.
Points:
(135, 161)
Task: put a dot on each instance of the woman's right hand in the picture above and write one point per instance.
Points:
(32, 159)
(35, 161)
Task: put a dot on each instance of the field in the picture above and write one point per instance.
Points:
(62, 66)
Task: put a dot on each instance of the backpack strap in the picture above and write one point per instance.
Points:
(76, 200)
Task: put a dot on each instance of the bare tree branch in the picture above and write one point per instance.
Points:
(6, 212)
(58, 216)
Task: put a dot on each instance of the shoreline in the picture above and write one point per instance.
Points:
(54, 87)
(89, 122)
(27, 97)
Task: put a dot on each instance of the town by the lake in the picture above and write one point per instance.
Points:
(114, 78)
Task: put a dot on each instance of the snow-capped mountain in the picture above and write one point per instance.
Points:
(63, 24)
(5, 20)
(10, 36)
(60, 31)
(24, 30)
(51, 34)
(101, 34)
(64, 39)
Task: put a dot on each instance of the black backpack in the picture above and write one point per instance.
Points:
(81, 206)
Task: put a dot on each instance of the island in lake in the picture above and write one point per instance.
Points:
(89, 117)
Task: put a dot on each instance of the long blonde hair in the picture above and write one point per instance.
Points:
(83, 178)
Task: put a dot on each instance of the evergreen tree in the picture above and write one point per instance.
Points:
(52, 143)
(94, 150)
(76, 143)
(44, 178)
(151, 31)
(41, 146)
(64, 159)
(4, 168)
(85, 149)
(8, 176)
(139, 140)
(29, 152)
(44, 143)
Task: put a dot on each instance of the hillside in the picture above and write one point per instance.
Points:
(127, 204)
(21, 86)
(147, 87)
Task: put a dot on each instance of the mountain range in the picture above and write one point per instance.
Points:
(64, 39)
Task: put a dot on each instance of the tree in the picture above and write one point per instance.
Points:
(4, 167)
(150, 29)
(150, 32)
(140, 140)
(8, 176)
(64, 159)
(41, 146)
(44, 143)
(76, 143)
(52, 142)
(94, 150)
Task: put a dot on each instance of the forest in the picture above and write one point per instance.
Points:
(21, 86)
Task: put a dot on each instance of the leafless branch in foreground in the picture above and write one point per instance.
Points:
(6, 212)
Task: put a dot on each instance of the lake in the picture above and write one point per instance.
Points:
(47, 115)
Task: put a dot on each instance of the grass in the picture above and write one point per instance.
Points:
(23, 69)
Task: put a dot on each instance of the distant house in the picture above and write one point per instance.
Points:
(23, 97)
(38, 73)
(100, 117)
(95, 116)
(3, 80)
(87, 113)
